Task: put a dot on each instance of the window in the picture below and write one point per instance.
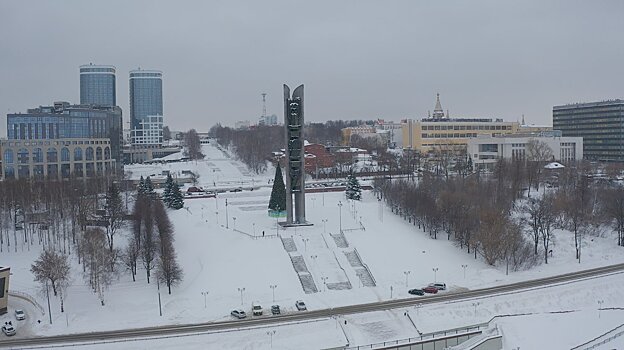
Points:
(107, 154)
(22, 156)
(37, 155)
(8, 156)
(52, 155)
(98, 153)
(65, 154)
(77, 154)
(89, 154)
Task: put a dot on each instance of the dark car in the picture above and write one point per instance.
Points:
(416, 291)
(430, 289)
(238, 189)
(275, 310)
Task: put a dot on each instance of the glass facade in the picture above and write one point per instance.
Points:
(145, 98)
(600, 124)
(63, 121)
(97, 85)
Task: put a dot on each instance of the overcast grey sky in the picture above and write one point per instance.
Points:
(357, 59)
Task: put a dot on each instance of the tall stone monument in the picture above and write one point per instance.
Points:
(295, 172)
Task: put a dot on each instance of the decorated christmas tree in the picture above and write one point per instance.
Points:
(277, 203)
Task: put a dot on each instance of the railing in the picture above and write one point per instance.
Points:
(602, 339)
(28, 298)
(365, 266)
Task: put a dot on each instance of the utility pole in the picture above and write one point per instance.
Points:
(226, 215)
(48, 296)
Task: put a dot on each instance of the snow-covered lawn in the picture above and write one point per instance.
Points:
(222, 251)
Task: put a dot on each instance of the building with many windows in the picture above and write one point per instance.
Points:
(600, 124)
(441, 131)
(146, 101)
(53, 159)
(97, 85)
(66, 121)
(486, 150)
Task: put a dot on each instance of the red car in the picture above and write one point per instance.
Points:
(430, 289)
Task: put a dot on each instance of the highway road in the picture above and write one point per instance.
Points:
(107, 336)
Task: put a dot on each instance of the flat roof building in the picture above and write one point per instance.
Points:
(146, 100)
(600, 124)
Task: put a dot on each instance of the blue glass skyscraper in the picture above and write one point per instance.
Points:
(97, 85)
(145, 99)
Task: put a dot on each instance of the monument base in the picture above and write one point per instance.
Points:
(285, 224)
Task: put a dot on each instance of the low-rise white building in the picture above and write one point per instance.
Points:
(486, 150)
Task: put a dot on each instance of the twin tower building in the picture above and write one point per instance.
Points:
(98, 87)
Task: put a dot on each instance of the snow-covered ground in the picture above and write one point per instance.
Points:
(223, 252)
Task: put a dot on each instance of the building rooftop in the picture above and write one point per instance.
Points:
(589, 104)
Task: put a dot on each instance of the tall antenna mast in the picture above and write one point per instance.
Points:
(264, 104)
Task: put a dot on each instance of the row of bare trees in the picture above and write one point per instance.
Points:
(489, 215)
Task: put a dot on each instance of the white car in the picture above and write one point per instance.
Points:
(20, 315)
(8, 330)
(301, 306)
(238, 313)
(256, 308)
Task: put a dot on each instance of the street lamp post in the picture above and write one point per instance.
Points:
(273, 286)
(464, 266)
(406, 273)
(305, 244)
(205, 294)
(340, 214)
(324, 283)
(313, 200)
(435, 271)
(234, 218)
(475, 304)
(241, 290)
(391, 288)
(227, 220)
(600, 302)
(324, 222)
(418, 306)
(253, 225)
(270, 334)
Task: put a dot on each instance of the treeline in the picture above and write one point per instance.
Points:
(497, 217)
(254, 146)
(81, 218)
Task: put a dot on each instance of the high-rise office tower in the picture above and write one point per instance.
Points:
(146, 107)
(97, 85)
(600, 124)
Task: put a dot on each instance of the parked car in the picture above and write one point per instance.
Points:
(8, 330)
(238, 189)
(301, 306)
(256, 308)
(440, 286)
(20, 315)
(430, 290)
(416, 291)
(238, 313)
(275, 310)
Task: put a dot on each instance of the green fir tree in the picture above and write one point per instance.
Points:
(167, 196)
(353, 190)
(177, 199)
(278, 194)
(149, 188)
(141, 188)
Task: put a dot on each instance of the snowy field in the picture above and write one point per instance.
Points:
(223, 252)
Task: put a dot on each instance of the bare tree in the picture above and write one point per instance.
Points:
(130, 256)
(537, 154)
(193, 145)
(53, 267)
(97, 260)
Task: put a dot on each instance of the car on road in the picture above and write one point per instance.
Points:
(238, 189)
(416, 291)
(430, 290)
(301, 306)
(8, 330)
(440, 286)
(20, 315)
(275, 310)
(256, 308)
(238, 313)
